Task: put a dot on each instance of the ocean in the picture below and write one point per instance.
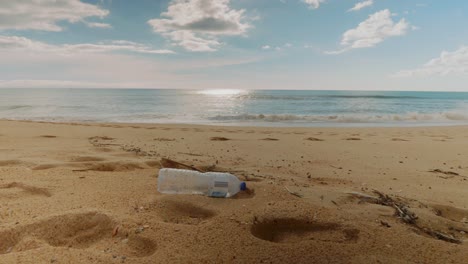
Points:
(236, 107)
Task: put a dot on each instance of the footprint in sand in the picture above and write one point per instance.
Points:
(48, 136)
(313, 139)
(451, 213)
(352, 138)
(117, 166)
(79, 230)
(31, 190)
(164, 139)
(270, 139)
(86, 159)
(399, 139)
(181, 212)
(290, 230)
(14, 163)
(219, 139)
(153, 163)
(45, 166)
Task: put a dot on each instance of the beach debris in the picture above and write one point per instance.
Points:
(115, 231)
(96, 141)
(442, 236)
(385, 223)
(294, 193)
(450, 174)
(168, 163)
(445, 172)
(403, 212)
(190, 154)
(139, 229)
(213, 184)
(401, 209)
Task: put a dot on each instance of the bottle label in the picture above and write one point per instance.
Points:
(220, 189)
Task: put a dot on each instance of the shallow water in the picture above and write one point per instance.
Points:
(237, 107)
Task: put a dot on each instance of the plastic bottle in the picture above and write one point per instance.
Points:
(214, 184)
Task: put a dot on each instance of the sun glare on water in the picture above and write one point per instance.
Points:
(222, 92)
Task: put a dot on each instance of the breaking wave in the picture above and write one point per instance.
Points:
(346, 118)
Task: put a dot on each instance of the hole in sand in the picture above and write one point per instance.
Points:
(75, 231)
(139, 247)
(289, 230)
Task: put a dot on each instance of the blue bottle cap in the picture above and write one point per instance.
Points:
(243, 186)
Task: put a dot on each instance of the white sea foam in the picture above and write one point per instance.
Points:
(348, 118)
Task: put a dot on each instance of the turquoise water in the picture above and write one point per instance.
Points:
(236, 107)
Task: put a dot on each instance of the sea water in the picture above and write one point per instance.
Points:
(236, 107)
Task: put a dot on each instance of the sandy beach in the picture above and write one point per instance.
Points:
(87, 193)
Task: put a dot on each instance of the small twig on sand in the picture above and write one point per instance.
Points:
(168, 163)
(294, 193)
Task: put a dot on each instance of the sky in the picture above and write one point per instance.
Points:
(406, 45)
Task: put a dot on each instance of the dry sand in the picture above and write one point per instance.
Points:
(86, 193)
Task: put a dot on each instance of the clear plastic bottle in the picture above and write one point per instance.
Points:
(214, 184)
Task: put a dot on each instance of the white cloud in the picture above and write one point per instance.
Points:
(98, 25)
(313, 3)
(372, 31)
(266, 47)
(28, 63)
(455, 62)
(25, 44)
(197, 24)
(361, 5)
(45, 14)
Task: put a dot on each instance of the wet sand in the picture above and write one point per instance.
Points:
(87, 193)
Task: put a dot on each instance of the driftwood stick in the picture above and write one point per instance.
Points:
(168, 163)
(294, 193)
(402, 211)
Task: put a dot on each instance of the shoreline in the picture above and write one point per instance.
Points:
(87, 192)
(257, 125)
